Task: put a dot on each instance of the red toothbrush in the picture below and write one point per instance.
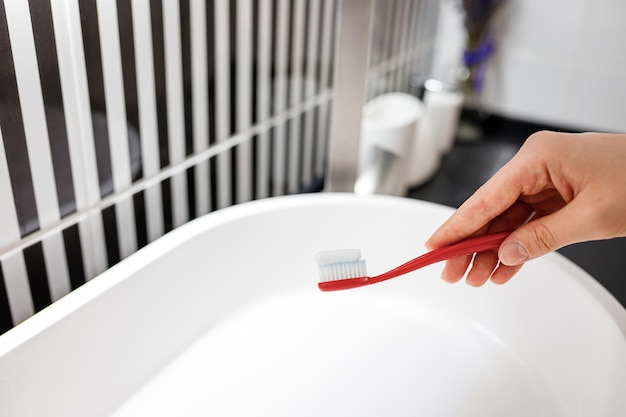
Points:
(343, 269)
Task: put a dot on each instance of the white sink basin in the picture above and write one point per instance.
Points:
(223, 317)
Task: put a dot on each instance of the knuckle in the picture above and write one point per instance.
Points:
(604, 220)
(542, 139)
(543, 134)
(539, 136)
(483, 208)
(544, 239)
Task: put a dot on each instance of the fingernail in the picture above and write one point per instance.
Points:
(513, 254)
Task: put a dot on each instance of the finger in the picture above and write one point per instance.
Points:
(504, 273)
(455, 269)
(488, 202)
(525, 174)
(546, 234)
(512, 218)
(545, 202)
(482, 268)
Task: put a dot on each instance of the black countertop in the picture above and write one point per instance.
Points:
(470, 163)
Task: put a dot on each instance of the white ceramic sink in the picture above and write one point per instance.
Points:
(223, 317)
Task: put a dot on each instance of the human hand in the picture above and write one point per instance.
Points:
(557, 190)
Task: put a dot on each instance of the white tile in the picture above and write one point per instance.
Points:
(114, 94)
(597, 101)
(262, 174)
(56, 265)
(199, 70)
(550, 29)
(179, 199)
(222, 72)
(263, 61)
(526, 88)
(560, 63)
(33, 112)
(175, 107)
(154, 211)
(297, 53)
(174, 82)
(600, 45)
(244, 98)
(17, 287)
(244, 171)
(126, 226)
(142, 31)
(244, 52)
(203, 194)
(93, 246)
(223, 80)
(66, 20)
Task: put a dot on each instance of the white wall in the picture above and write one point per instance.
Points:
(560, 62)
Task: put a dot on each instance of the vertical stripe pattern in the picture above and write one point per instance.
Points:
(121, 120)
(14, 136)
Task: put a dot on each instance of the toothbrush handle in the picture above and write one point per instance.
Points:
(465, 247)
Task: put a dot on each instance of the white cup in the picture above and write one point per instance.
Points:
(388, 128)
(435, 134)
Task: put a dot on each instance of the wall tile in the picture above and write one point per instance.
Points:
(122, 120)
(557, 62)
(549, 29)
(597, 101)
(523, 86)
(17, 287)
(601, 34)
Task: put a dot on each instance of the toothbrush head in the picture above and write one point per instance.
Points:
(341, 270)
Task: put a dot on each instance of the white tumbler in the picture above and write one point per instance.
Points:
(388, 129)
(435, 134)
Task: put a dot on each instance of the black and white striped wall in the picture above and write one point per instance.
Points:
(123, 119)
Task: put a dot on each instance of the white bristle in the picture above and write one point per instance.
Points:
(337, 256)
(340, 264)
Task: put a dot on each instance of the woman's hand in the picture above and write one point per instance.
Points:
(559, 189)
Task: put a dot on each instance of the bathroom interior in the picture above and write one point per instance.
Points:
(126, 124)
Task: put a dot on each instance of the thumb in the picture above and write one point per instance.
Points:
(539, 237)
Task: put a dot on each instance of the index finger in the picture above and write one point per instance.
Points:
(492, 199)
